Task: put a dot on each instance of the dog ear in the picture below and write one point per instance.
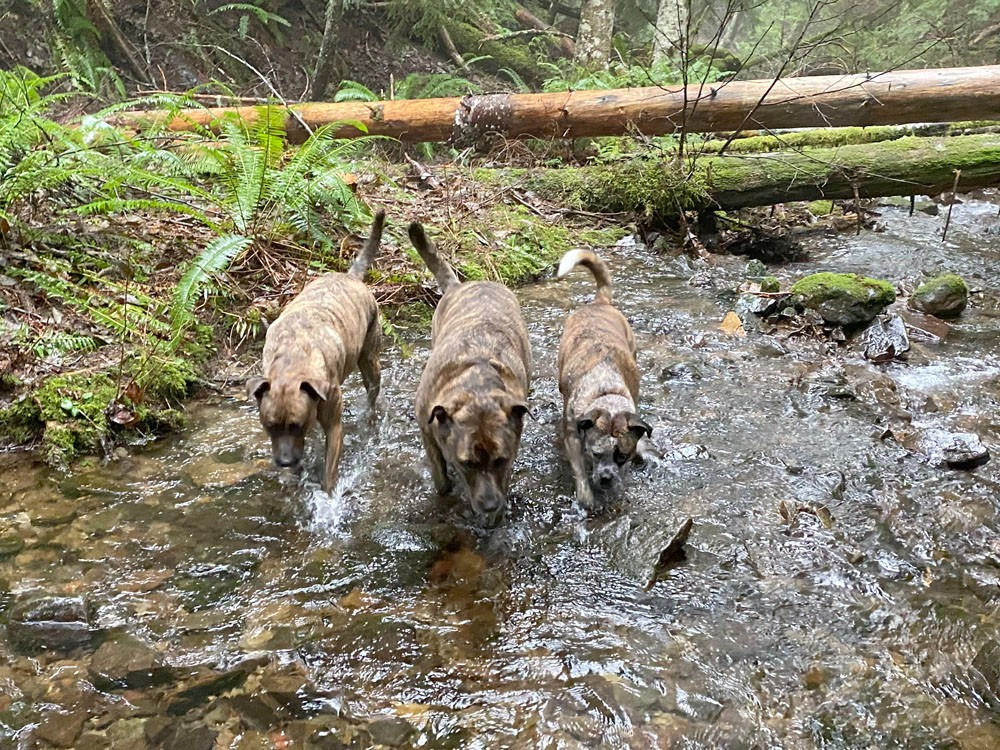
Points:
(518, 410)
(638, 425)
(257, 387)
(589, 419)
(316, 390)
(440, 414)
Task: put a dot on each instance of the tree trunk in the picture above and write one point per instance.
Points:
(909, 166)
(593, 38)
(671, 28)
(899, 97)
(563, 45)
(326, 61)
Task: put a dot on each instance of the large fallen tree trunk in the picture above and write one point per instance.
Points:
(898, 97)
(659, 188)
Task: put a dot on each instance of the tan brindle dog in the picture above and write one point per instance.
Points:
(599, 382)
(472, 396)
(330, 329)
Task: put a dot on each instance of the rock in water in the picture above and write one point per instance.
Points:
(842, 299)
(124, 661)
(944, 296)
(886, 338)
(49, 622)
(954, 450)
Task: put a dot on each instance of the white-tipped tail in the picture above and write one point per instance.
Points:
(595, 265)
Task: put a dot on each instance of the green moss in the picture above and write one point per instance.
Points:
(843, 298)
(20, 423)
(650, 187)
(820, 208)
(525, 245)
(517, 57)
(770, 284)
(945, 296)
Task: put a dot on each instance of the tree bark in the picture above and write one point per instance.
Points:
(593, 38)
(900, 97)
(909, 166)
(529, 20)
(671, 28)
(327, 58)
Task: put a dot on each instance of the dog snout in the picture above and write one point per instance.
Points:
(606, 478)
(287, 460)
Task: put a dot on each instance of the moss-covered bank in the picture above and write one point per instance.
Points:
(660, 187)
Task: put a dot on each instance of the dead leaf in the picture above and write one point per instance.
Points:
(673, 554)
(123, 416)
(134, 393)
(732, 325)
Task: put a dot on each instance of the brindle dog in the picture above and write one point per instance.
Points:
(599, 382)
(330, 329)
(472, 396)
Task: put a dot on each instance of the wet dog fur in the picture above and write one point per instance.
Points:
(599, 382)
(330, 329)
(472, 396)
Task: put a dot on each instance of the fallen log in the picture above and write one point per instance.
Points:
(528, 20)
(659, 188)
(899, 97)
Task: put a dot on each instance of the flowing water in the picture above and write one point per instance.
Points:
(840, 591)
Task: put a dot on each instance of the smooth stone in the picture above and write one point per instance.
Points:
(209, 684)
(10, 543)
(389, 730)
(61, 729)
(53, 513)
(944, 296)
(953, 450)
(50, 622)
(125, 662)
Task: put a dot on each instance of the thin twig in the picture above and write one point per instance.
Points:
(295, 115)
(951, 204)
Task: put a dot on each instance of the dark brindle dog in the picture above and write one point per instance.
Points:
(330, 329)
(599, 382)
(472, 396)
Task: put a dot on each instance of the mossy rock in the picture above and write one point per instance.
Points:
(944, 296)
(820, 208)
(843, 299)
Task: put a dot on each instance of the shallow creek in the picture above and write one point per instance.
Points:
(840, 591)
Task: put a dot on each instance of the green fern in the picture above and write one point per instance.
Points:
(352, 91)
(214, 258)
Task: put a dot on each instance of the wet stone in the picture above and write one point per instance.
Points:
(259, 711)
(49, 622)
(944, 296)
(987, 663)
(10, 543)
(52, 513)
(885, 339)
(61, 729)
(180, 735)
(389, 730)
(842, 299)
(754, 304)
(953, 450)
(205, 686)
(126, 662)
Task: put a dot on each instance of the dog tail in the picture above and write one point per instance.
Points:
(446, 277)
(364, 259)
(596, 266)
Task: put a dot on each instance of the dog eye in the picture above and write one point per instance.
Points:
(620, 458)
(500, 463)
(294, 428)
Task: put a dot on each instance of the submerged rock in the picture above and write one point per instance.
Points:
(953, 450)
(944, 296)
(842, 299)
(60, 728)
(124, 661)
(389, 730)
(49, 622)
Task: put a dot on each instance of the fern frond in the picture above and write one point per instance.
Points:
(216, 256)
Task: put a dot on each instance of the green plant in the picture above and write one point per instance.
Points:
(76, 45)
(264, 17)
(352, 91)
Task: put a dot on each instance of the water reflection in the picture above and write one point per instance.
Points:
(840, 591)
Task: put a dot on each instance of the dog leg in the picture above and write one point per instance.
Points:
(370, 368)
(330, 417)
(439, 468)
(573, 446)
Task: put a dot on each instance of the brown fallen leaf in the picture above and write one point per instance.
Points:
(732, 325)
(673, 554)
